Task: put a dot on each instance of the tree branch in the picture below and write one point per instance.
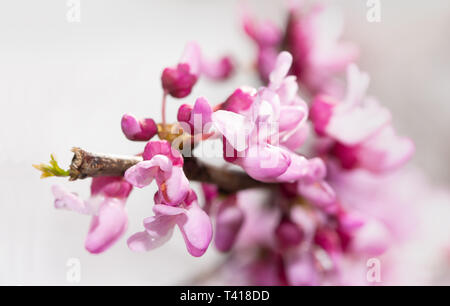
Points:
(87, 164)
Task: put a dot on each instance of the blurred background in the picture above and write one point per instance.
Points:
(65, 84)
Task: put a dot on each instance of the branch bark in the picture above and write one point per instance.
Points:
(87, 164)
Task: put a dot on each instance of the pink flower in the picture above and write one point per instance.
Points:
(140, 130)
(165, 165)
(313, 40)
(197, 118)
(193, 222)
(229, 220)
(268, 38)
(260, 140)
(107, 207)
(374, 145)
(178, 81)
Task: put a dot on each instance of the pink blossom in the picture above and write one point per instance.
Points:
(165, 165)
(107, 207)
(197, 117)
(193, 222)
(253, 137)
(374, 145)
(178, 81)
(313, 39)
(140, 130)
(229, 220)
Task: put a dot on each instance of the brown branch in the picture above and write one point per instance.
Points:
(86, 164)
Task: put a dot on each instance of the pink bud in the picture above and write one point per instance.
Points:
(178, 81)
(288, 234)
(184, 113)
(240, 100)
(139, 130)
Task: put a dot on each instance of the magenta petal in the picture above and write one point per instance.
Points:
(143, 173)
(240, 100)
(200, 116)
(111, 186)
(140, 130)
(175, 188)
(265, 162)
(229, 220)
(196, 229)
(106, 227)
(162, 147)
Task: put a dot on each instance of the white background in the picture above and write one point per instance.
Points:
(67, 84)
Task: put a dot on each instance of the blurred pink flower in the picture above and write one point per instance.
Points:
(107, 207)
(193, 222)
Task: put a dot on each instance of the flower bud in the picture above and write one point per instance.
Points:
(139, 130)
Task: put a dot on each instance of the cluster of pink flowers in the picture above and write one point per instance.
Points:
(302, 230)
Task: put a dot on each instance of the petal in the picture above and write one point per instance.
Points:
(229, 220)
(143, 173)
(158, 229)
(201, 115)
(106, 227)
(162, 147)
(291, 116)
(319, 193)
(175, 188)
(358, 124)
(217, 69)
(265, 162)
(234, 127)
(282, 66)
(142, 241)
(111, 186)
(373, 239)
(357, 84)
(192, 55)
(140, 130)
(298, 168)
(385, 152)
(196, 229)
(301, 270)
(240, 100)
(296, 138)
(64, 199)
